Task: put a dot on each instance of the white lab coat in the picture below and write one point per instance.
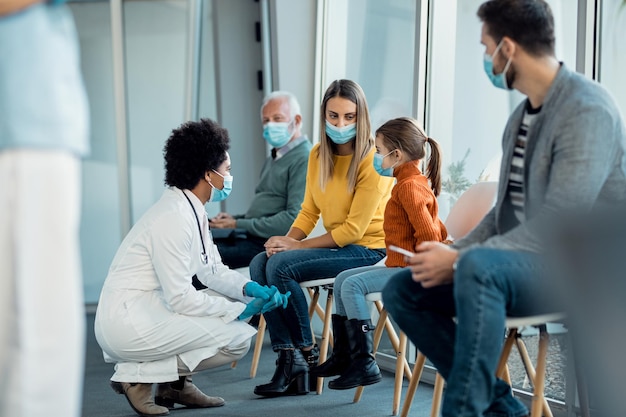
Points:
(149, 314)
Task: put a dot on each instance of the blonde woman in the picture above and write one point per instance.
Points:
(344, 189)
(411, 217)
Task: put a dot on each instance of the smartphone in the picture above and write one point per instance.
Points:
(400, 250)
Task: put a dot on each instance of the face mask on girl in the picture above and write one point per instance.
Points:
(378, 165)
(219, 195)
(340, 135)
(498, 80)
(277, 134)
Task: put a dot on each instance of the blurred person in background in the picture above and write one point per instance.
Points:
(43, 134)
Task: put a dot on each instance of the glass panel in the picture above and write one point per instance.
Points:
(373, 43)
(100, 230)
(467, 115)
(612, 56)
(155, 38)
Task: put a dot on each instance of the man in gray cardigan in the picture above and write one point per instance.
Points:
(563, 150)
(280, 190)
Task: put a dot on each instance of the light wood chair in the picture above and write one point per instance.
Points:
(536, 374)
(313, 287)
(399, 346)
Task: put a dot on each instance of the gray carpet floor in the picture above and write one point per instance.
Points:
(236, 387)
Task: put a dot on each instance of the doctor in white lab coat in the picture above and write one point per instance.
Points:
(151, 321)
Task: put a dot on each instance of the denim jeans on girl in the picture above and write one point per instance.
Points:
(489, 285)
(352, 285)
(291, 328)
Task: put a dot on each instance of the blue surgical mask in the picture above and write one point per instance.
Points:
(378, 165)
(498, 80)
(340, 135)
(277, 134)
(219, 195)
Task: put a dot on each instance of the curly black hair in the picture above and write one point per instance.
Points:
(193, 149)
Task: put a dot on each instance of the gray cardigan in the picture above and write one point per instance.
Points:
(574, 160)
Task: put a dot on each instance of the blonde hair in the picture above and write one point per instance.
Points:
(407, 135)
(363, 142)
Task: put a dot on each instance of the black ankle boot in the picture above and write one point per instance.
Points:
(312, 358)
(340, 358)
(290, 378)
(363, 369)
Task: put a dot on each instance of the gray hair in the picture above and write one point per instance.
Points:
(294, 106)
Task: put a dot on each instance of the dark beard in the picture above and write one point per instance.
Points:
(511, 74)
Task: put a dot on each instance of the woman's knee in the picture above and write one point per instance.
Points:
(257, 268)
(277, 269)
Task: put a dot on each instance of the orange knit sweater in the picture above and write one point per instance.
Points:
(411, 213)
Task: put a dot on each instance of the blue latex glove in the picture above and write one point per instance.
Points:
(276, 299)
(253, 307)
(256, 290)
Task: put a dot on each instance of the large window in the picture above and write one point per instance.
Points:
(465, 113)
(612, 56)
(373, 43)
(159, 91)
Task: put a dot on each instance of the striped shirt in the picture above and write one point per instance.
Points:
(516, 174)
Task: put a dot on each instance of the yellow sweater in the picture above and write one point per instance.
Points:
(351, 218)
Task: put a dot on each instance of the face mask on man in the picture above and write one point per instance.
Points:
(340, 135)
(498, 80)
(378, 165)
(277, 134)
(219, 195)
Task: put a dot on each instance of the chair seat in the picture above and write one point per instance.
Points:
(374, 296)
(322, 282)
(534, 320)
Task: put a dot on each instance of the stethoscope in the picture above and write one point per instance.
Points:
(203, 255)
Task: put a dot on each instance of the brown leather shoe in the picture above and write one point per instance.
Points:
(184, 392)
(139, 397)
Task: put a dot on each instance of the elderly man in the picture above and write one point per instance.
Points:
(563, 150)
(280, 190)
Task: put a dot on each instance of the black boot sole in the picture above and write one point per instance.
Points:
(363, 382)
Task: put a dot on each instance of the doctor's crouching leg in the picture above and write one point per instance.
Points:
(184, 392)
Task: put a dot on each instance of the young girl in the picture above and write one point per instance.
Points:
(344, 189)
(410, 218)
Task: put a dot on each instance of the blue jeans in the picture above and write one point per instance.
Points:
(291, 328)
(352, 285)
(489, 284)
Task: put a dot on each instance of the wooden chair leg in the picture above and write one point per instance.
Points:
(536, 377)
(400, 360)
(415, 379)
(326, 335)
(437, 395)
(258, 345)
(502, 370)
(314, 294)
